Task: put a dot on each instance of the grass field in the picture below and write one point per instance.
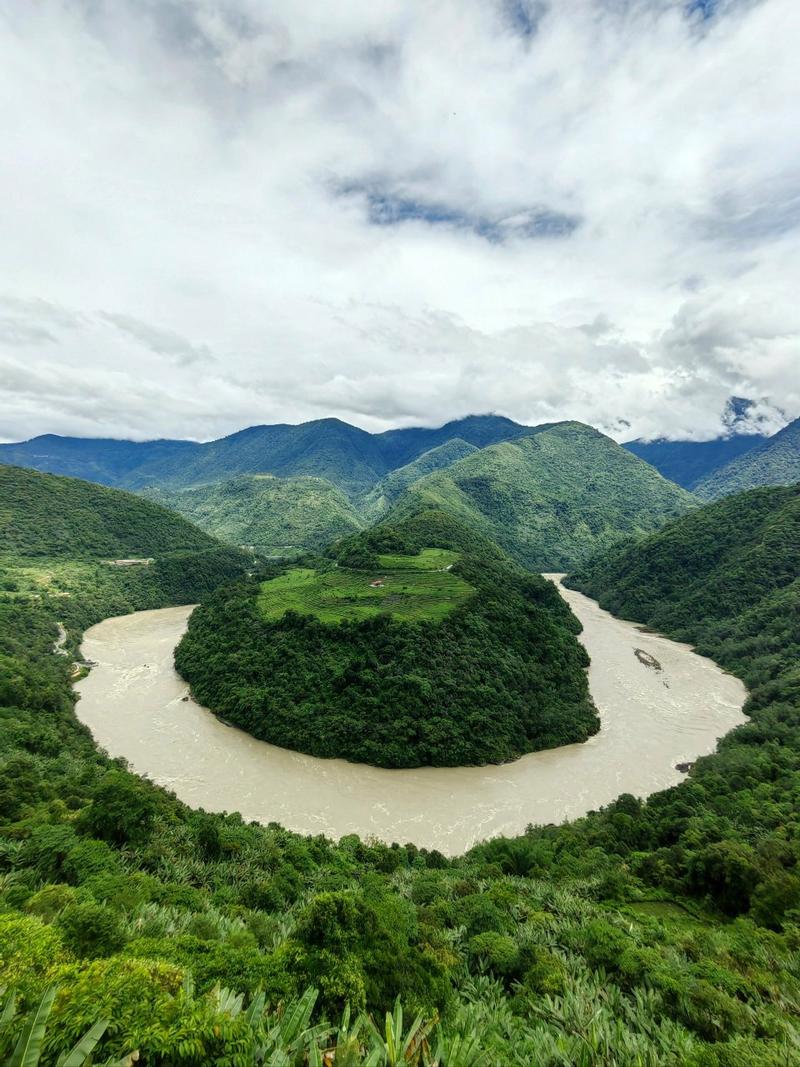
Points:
(415, 588)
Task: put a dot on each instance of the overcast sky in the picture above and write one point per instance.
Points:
(225, 212)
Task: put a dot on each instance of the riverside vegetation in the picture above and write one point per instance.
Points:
(658, 933)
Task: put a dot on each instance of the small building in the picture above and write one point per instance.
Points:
(376, 584)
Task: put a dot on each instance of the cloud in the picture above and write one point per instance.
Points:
(162, 342)
(397, 212)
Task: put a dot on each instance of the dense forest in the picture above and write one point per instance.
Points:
(500, 675)
(46, 515)
(552, 498)
(276, 516)
(662, 934)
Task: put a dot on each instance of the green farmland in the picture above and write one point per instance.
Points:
(414, 588)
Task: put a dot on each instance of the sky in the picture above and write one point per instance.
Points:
(219, 213)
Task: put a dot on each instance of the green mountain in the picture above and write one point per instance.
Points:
(688, 462)
(103, 460)
(382, 496)
(725, 577)
(276, 516)
(413, 648)
(775, 462)
(550, 499)
(349, 458)
(60, 537)
(401, 446)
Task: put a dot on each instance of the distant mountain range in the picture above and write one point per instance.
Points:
(549, 495)
(348, 457)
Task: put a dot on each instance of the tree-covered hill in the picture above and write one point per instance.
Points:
(381, 497)
(725, 577)
(277, 516)
(448, 660)
(47, 515)
(108, 461)
(59, 537)
(553, 498)
(775, 462)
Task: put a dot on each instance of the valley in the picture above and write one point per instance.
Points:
(135, 705)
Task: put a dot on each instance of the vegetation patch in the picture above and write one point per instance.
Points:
(419, 587)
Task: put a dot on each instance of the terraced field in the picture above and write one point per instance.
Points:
(411, 588)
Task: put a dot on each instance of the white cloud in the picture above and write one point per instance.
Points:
(284, 217)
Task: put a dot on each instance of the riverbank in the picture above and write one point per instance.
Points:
(134, 703)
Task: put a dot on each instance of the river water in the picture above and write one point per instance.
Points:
(660, 704)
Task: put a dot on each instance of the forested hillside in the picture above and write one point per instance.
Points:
(775, 462)
(553, 498)
(276, 516)
(45, 515)
(661, 934)
(405, 657)
(381, 497)
(60, 538)
(688, 462)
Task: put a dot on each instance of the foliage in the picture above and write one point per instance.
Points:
(276, 516)
(442, 677)
(552, 498)
(381, 497)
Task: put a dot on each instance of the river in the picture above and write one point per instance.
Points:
(660, 704)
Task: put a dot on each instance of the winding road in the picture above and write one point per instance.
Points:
(660, 705)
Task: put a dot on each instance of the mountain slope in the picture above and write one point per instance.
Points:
(58, 536)
(381, 497)
(687, 462)
(104, 460)
(277, 516)
(725, 577)
(47, 515)
(327, 448)
(551, 499)
(775, 462)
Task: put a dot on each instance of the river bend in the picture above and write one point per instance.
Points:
(660, 705)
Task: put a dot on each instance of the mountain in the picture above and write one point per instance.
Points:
(401, 446)
(725, 577)
(104, 460)
(413, 647)
(689, 462)
(346, 456)
(552, 498)
(389, 489)
(60, 537)
(774, 462)
(277, 516)
(350, 458)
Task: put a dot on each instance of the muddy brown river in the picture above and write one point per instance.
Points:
(660, 705)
